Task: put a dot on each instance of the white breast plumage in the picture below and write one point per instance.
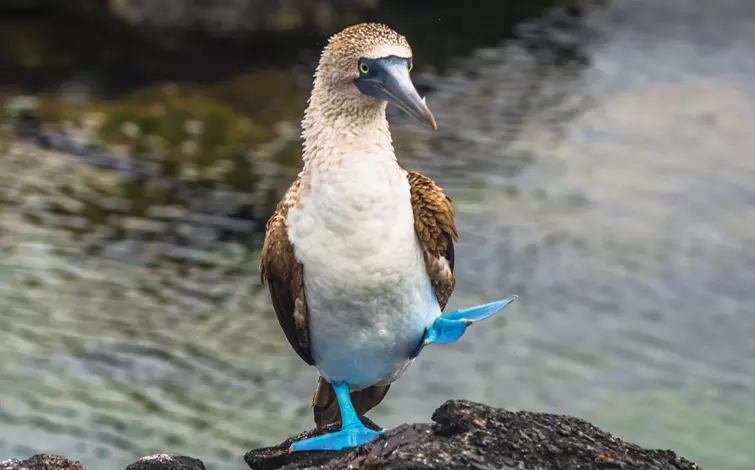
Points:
(368, 293)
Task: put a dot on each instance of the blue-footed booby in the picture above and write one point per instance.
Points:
(359, 253)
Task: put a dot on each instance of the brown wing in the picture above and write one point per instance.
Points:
(436, 232)
(284, 276)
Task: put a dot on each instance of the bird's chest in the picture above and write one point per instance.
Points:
(356, 224)
(368, 294)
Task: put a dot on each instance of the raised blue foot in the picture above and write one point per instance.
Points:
(353, 433)
(450, 327)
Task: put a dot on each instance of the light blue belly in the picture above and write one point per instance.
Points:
(366, 338)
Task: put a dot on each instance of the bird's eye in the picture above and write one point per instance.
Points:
(411, 65)
(364, 68)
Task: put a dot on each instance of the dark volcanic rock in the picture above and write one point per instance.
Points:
(464, 435)
(151, 462)
(278, 456)
(41, 462)
(167, 462)
(470, 435)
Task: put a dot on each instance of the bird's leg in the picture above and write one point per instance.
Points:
(450, 327)
(353, 432)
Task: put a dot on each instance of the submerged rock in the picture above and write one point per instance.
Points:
(471, 435)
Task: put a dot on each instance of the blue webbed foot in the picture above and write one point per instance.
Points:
(450, 327)
(353, 432)
(352, 436)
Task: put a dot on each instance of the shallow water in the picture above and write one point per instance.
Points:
(616, 197)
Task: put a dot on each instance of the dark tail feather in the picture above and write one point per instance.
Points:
(325, 406)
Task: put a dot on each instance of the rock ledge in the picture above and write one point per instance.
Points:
(463, 435)
(467, 435)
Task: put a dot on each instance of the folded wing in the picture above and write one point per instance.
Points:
(436, 231)
(284, 276)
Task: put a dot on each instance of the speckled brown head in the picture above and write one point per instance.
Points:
(367, 64)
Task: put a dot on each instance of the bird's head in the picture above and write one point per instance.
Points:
(367, 65)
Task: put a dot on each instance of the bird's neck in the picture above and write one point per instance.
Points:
(338, 128)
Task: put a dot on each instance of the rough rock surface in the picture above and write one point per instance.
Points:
(167, 462)
(467, 435)
(42, 462)
(151, 462)
(464, 435)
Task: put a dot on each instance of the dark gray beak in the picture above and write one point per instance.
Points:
(389, 80)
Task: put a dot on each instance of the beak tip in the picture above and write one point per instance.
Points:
(431, 120)
(429, 115)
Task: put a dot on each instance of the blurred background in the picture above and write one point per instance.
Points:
(600, 154)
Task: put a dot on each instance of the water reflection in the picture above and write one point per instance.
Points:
(610, 187)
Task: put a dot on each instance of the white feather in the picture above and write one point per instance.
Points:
(368, 292)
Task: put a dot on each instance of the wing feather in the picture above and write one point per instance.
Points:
(284, 276)
(436, 231)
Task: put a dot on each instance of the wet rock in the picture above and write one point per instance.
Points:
(167, 462)
(151, 462)
(278, 456)
(42, 462)
(471, 435)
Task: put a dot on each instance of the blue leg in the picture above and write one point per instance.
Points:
(450, 327)
(353, 432)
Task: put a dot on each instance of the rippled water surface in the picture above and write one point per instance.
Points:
(615, 194)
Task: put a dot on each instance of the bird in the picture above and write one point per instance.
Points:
(359, 253)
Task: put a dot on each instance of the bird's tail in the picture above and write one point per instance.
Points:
(325, 406)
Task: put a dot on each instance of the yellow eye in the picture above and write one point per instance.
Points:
(411, 66)
(363, 68)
